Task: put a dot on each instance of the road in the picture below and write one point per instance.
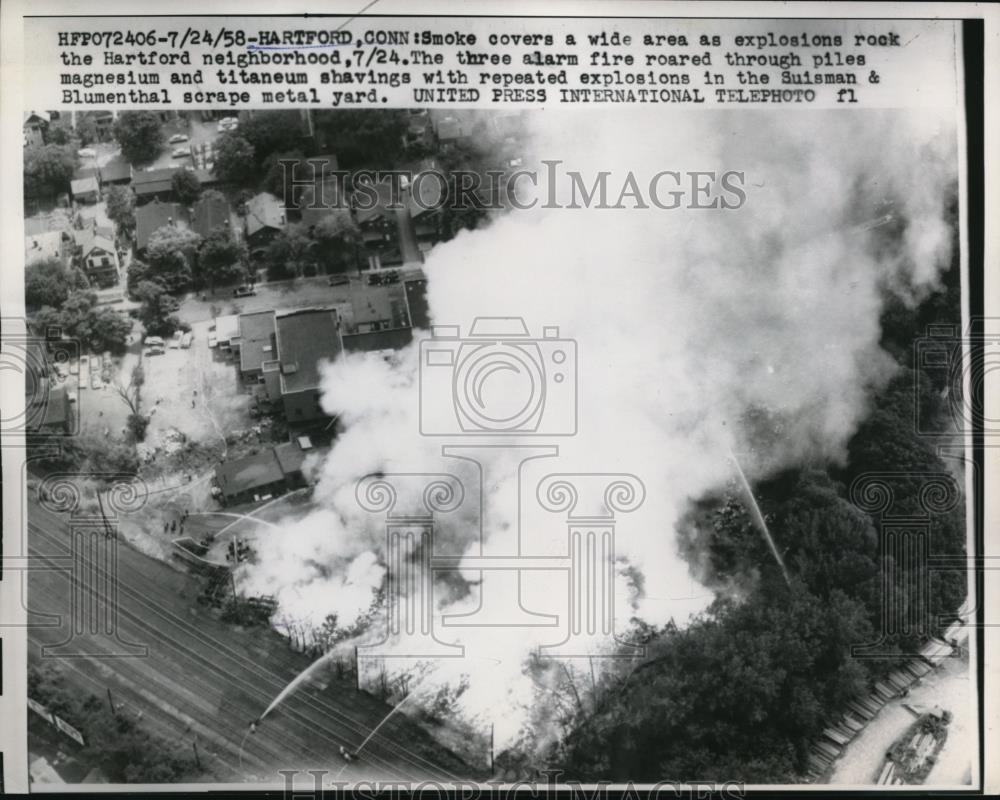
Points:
(204, 680)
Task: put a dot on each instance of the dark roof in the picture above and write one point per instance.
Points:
(392, 339)
(378, 304)
(290, 457)
(256, 332)
(116, 170)
(416, 303)
(327, 195)
(84, 186)
(85, 172)
(248, 473)
(154, 181)
(304, 339)
(153, 216)
(208, 214)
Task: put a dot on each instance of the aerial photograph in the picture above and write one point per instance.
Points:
(443, 444)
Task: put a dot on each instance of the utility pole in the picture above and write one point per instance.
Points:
(111, 702)
(108, 533)
(197, 760)
(492, 767)
(357, 670)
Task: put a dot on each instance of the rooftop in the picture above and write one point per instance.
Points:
(208, 214)
(115, 170)
(227, 327)
(264, 211)
(304, 339)
(256, 333)
(83, 185)
(90, 239)
(154, 181)
(153, 216)
(248, 473)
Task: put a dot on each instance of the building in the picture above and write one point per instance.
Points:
(262, 475)
(85, 190)
(258, 343)
(50, 414)
(265, 219)
(116, 172)
(304, 339)
(35, 125)
(154, 184)
(210, 213)
(227, 331)
(97, 255)
(153, 216)
(376, 320)
(417, 308)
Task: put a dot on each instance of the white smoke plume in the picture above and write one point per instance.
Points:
(698, 331)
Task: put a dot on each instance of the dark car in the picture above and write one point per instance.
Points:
(244, 291)
(339, 280)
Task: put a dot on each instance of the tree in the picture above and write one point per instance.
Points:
(272, 132)
(364, 137)
(234, 160)
(288, 254)
(120, 204)
(156, 311)
(109, 330)
(338, 238)
(48, 170)
(274, 172)
(140, 135)
(221, 259)
(48, 283)
(79, 317)
(170, 255)
(186, 186)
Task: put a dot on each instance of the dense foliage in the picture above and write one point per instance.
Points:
(742, 692)
(140, 135)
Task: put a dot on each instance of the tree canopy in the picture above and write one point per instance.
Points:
(49, 169)
(140, 135)
(234, 160)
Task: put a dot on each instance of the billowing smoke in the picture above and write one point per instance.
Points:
(699, 332)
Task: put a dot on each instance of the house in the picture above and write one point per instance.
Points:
(265, 219)
(303, 339)
(399, 230)
(154, 184)
(258, 343)
(85, 190)
(153, 216)
(35, 125)
(49, 244)
(116, 172)
(97, 255)
(209, 214)
(269, 472)
(319, 201)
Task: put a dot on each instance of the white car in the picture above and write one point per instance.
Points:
(212, 341)
(177, 138)
(181, 152)
(87, 153)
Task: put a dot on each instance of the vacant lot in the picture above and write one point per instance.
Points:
(193, 392)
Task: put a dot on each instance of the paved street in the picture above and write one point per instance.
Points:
(205, 680)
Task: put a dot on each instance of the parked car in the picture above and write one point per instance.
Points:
(177, 138)
(212, 341)
(181, 152)
(87, 152)
(71, 396)
(95, 380)
(186, 340)
(175, 341)
(244, 291)
(153, 341)
(74, 367)
(339, 280)
(95, 363)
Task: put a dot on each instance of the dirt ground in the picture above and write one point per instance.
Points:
(950, 688)
(193, 392)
